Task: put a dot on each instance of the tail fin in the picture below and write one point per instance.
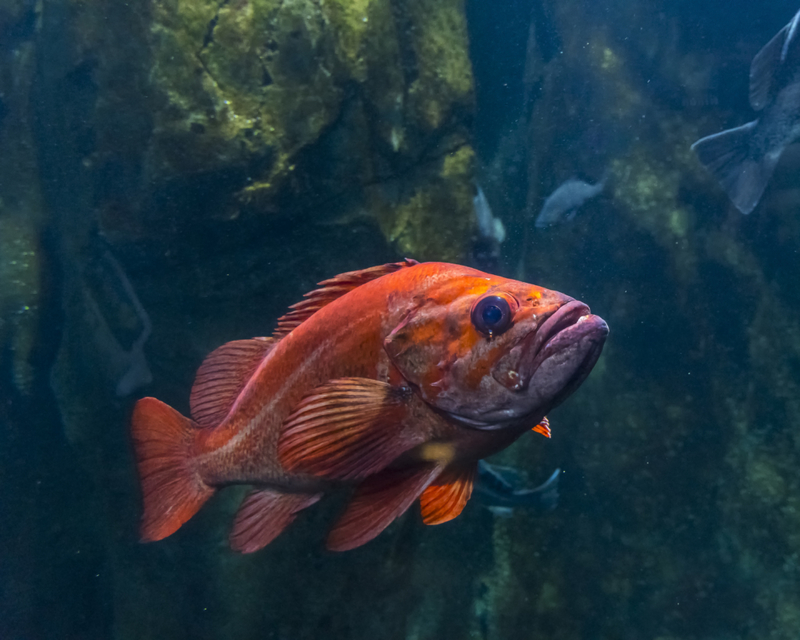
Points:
(172, 490)
(741, 172)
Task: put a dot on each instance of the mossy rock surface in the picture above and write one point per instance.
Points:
(266, 107)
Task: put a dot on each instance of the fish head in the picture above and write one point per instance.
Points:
(492, 353)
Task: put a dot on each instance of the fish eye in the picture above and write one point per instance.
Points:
(491, 315)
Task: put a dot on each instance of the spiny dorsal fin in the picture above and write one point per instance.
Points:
(330, 290)
(222, 376)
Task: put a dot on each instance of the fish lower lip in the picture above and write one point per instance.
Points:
(565, 316)
(567, 358)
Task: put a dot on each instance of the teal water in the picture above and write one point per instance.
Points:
(174, 175)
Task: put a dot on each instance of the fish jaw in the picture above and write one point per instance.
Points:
(547, 367)
(516, 369)
(565, 361)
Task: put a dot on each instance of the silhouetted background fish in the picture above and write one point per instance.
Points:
(743, 159)
(502, 489)
(562, 205)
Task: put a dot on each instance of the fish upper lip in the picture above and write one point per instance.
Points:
(565, 316)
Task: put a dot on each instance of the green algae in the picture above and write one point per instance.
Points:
(445, 78)
(436, 221)
(256, 86)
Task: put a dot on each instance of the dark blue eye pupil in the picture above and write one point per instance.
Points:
(492, 315)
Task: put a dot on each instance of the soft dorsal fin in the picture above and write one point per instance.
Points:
(330, 290)
(222, 376)
(446, 497)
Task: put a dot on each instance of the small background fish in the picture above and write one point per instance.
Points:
(502, 489)
(563, 204)
(491, 234)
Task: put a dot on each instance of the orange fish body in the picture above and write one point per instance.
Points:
(397, 379)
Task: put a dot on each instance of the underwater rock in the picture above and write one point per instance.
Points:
(228, 155)
(216, 110)
(22, 212)
(681, 485)
(413, 219)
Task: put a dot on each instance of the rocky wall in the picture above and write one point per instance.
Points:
(173, 176)
(677, 517)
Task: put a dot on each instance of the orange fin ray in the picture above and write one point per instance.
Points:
(446, 497)
(329, 291)
(543, 427)
(347, 429)
(377, 502)
(172, 490)
(222, 376)
(263, 515)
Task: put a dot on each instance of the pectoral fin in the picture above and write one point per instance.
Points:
(446, 497)
(347, 429)
(543, 428)
(377, 502)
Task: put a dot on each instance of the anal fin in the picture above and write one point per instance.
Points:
(263, 515)
(377, 502)
(446, 497)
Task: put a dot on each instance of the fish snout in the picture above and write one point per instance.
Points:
(566, 360)
(566, 337)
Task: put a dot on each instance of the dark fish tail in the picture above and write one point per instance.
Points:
(742, 171)
(172, 489)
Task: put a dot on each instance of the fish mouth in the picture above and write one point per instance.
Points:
(548, 338)
(562, 354)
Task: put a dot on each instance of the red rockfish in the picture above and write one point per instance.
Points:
(396, 379)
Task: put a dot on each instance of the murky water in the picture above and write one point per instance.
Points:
(174, 175)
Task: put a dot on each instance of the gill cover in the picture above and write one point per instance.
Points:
(448, 349)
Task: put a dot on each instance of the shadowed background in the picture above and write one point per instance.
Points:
(174, 175)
